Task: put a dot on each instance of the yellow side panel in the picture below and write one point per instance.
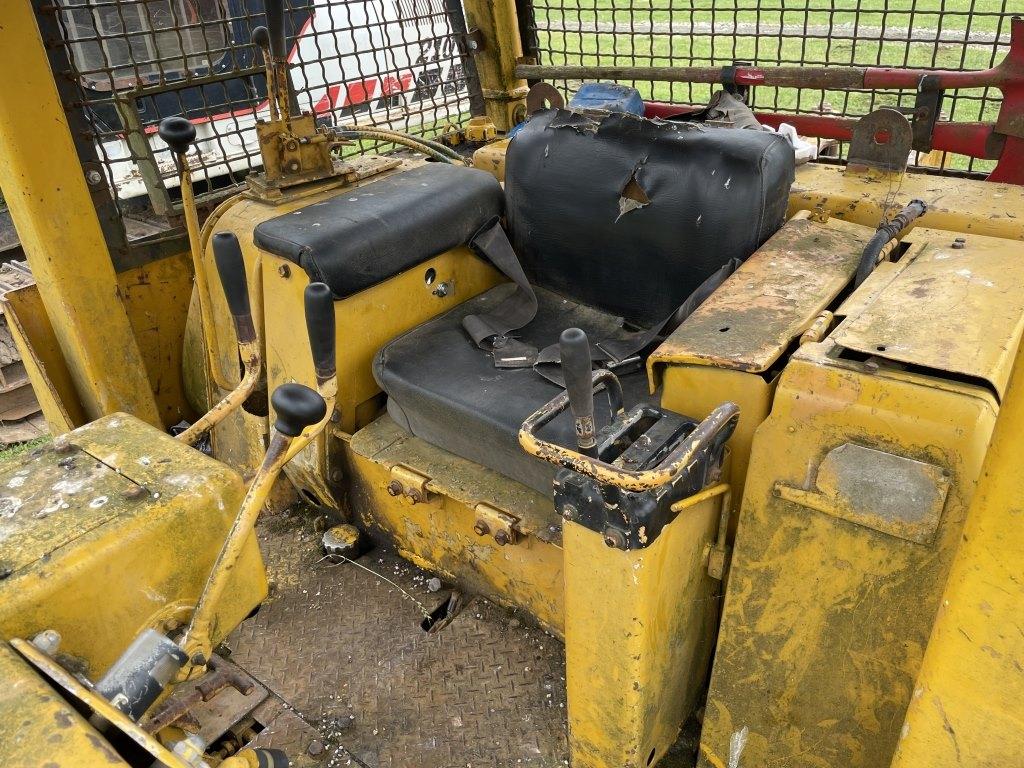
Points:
(156, 296)
(639, 630)
(858, 488)
(968, 705)
(43, 359)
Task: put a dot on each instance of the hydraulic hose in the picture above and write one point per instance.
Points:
(425, 146)
(887, 231)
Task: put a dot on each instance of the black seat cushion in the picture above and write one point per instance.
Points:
(363, 236)
(444, 390)
(576, 187)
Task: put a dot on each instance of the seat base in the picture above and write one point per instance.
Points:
(446, 391)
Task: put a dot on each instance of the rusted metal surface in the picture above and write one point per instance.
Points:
(722, 419)
(342, 647)
(773, 297)
(881, 140)
(973, 284)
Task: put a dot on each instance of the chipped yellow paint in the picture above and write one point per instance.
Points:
(958, 205)
(639, 632)
(111, 530)
(438, 534)
(826, 620)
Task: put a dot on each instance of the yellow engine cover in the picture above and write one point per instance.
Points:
(113, 529)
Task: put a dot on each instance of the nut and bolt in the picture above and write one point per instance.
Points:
(394, 488)
(569, 512)
(284, 271)
(315, 748)
(614, 538)
(481, 529)
(959, 243)
(414, 495)
(94, 177)
(502, 538)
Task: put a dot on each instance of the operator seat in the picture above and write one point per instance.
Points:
(616, 220)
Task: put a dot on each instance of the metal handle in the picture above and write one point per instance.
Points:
(227, 253)
(320, 326)
(275, 28)
(574, 350)
(177, 133)
(709, 435)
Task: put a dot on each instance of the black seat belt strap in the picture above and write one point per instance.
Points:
(489, 330)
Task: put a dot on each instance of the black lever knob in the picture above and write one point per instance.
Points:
(227, 253)
(574, 350)
(320, 327)
(275, 27)
(261, 37)
(297, 407)
(177, 133)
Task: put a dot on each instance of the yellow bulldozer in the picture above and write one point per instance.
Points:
(442, 384)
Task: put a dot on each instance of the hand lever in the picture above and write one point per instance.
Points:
(576, 370)
(177, 133)
(275, 28)
(320, 326)
(227, 253)
(271, 39)
(297, 407)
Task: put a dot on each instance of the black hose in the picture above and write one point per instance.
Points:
(886, 232)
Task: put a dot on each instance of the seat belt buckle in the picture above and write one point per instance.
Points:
(624, 366)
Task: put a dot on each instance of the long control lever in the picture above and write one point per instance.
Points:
(574, 349)
(297, 407)
(227, 254)
(271, 40)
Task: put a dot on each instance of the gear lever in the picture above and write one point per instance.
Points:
(574, 349)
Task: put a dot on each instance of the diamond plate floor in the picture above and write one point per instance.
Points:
(343, 648)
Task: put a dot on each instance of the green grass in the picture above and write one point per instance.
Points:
(12, 452)
(805, 42)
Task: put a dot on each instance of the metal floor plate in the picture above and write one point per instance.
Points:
(343, 648)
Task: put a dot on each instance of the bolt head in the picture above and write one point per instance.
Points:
(569, 512)
(501, 537)
(394, 488)
(414, 496)
(480, 529)
(94, 177)
(284, 271)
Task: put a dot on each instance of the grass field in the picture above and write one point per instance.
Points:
(944, 34)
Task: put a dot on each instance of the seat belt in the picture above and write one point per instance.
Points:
(619, 353)
(490, 330)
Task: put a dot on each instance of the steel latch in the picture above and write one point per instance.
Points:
(409, 484)
(500, 525)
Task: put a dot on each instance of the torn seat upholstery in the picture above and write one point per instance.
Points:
(616, 220)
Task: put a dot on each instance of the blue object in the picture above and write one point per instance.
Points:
(609, 97)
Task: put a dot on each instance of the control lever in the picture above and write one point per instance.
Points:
(574, 349)
(271, 40)
(297, 407)
(179, 135)
(227, 254)
(320, 327)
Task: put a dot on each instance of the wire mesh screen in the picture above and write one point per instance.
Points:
(930, 34)
(393, 63)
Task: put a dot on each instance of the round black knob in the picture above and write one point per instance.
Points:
(261, 37)
(320, 327)
(231, 269)
(177, 133)
(297, 407)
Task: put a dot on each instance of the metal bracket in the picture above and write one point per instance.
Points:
(503, 527)
(729, 80)
(409, 484)
(927, 108)
(882, 140)
(471, 43)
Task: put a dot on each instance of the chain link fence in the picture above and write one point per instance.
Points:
(930, 34)
(130, 63)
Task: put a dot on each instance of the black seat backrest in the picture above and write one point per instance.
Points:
(630, 215)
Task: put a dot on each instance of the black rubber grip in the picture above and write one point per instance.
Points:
(177, 133)
(275, 26)
(574, 350)
(231, 268)
(261, 37)
(297, 407)
(320, 327)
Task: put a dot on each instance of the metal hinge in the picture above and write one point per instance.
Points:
(500, 525)
(409, 484)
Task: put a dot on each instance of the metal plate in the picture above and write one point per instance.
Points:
(343, 647)
(953, 309)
